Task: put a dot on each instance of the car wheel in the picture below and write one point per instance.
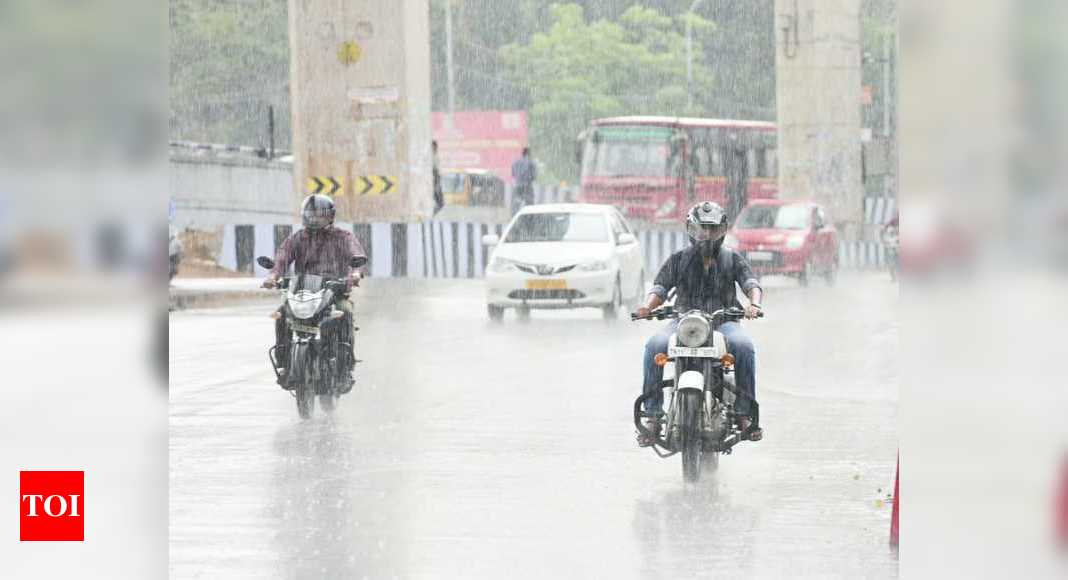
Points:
(831, 275)
(639, 291)
(807, 273)
(496, 313)
(523, 313)
(611, 310)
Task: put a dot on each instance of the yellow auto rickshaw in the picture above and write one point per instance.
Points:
(472, 187)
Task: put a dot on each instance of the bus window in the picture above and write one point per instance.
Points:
(700, 161)
(715, 162)
(761, 163)
(751, 158)
(772, 161)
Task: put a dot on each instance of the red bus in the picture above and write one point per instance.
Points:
(654, 168)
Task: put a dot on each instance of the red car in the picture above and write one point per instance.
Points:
(787, 237)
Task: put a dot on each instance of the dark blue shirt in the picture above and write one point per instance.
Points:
(708, 290)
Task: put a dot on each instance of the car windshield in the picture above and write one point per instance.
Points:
(558, 227)
(780, 217)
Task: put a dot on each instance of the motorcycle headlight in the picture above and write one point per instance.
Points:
(795, 242)
(501, 265)
(304, 308)
(693, 330)
(597, 266)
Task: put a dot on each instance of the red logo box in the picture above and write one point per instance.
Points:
(51, 506)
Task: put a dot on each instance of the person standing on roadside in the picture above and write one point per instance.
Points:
(524, 172)
(439, 196)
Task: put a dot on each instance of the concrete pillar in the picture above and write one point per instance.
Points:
(360, 92)
(818, 89)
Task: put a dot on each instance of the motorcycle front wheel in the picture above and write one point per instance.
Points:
(328, 402)
(305, 392)
(690, 436)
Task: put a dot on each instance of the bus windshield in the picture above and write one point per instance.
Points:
(629, 151)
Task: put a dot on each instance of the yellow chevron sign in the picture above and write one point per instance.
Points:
(374, 184)
(327, 185)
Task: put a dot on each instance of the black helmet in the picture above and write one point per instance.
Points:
(317, 212)
(706, 225)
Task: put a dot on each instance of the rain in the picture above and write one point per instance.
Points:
(486, 430)
(506, 226)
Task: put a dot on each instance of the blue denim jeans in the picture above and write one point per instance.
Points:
(738, 344)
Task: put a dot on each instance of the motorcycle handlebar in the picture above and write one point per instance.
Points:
(669, 312)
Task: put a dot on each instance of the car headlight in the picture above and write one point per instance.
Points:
(795, 242)
(305, 308)
(597, 266)
(693, 330)
(501, 265)
(730, 241)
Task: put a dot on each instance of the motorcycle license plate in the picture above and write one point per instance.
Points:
(759, 256)
(547, 284)
(685, 351)
(304, 328)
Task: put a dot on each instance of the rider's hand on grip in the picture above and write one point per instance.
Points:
(642, 312)
(753, 311)
(269, 283)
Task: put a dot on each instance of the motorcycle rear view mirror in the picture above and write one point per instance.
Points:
(358, 262)
(265, 262)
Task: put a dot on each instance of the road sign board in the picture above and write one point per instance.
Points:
(374, 184)
(327, 185)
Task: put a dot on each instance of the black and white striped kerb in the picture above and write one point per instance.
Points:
(879, 209)
(446, 249)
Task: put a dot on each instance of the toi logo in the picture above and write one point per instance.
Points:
(51, 506)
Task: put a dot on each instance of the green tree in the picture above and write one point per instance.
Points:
(229, 61)
(578, 70)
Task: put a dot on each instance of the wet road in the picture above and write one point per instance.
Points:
(474, 450)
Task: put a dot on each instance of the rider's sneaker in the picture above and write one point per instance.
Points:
(652, 425)
(745, 426)
(346, 383)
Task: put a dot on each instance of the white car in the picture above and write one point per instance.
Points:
(565, 255)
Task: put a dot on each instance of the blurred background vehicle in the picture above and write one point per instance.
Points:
(935, 240)
(472, 187)
(653, 168)
(891, 240)
(559, 256)
(792, 238)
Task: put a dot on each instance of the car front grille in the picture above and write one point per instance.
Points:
(545, 295)
(542, 270)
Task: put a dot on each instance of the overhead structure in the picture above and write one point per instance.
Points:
(360, 93)
(818, 96)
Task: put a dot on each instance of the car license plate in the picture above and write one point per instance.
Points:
(304, 328)
(546, 284)
(703, 351)
(760, 256)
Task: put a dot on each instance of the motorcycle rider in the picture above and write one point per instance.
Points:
(704, 276)
(323, 249)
